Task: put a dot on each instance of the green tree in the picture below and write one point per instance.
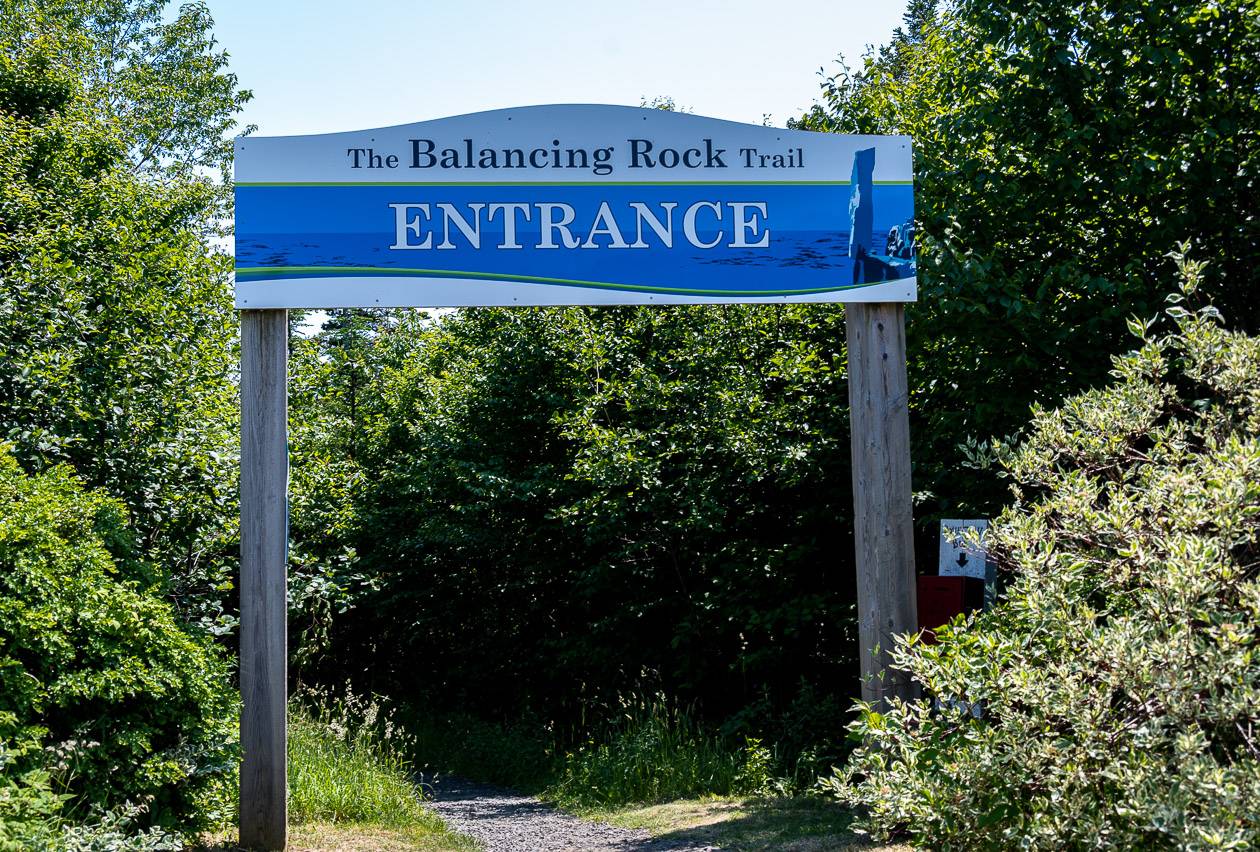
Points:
(161, 85)
(559, 507)
(334, 399)
(116, 322)
(1060, 150)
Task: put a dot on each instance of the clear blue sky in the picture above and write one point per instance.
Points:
(318, 65)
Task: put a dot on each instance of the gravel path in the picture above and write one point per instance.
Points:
(505, 821)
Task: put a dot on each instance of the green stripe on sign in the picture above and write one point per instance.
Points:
(397, 272)
(500, 183)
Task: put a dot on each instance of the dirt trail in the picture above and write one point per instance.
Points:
(505, 821)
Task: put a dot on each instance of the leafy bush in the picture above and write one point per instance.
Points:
(28, 806)
(348, 762)
(1119, 678)
(128, 706)
(31, 819)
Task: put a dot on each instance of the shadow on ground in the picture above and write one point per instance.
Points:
(749, 825)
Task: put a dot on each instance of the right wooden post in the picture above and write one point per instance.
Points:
(883, 518)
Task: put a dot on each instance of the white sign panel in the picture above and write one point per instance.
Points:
(555, 205)
(958, 558)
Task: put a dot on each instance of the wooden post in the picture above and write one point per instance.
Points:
(883, 519)
(264, 546)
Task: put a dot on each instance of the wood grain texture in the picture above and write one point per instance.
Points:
(883, 516)
(264, 544)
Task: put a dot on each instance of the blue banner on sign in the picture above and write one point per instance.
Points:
(712, 239)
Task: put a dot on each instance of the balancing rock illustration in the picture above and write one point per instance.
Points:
(868, 266)
(861, 204)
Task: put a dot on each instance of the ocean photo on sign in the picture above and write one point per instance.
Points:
(279, 235)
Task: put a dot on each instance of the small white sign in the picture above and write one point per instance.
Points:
(958, 557)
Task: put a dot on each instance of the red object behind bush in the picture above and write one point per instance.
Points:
(941, 598)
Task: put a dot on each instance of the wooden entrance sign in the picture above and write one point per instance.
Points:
(566, 205)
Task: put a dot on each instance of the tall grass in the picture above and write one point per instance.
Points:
(350, 763)
(652, 751)
(518, 756)
(657, 752)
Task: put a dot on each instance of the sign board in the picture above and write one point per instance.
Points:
(959, 558)
(581, 205)
(567, 205)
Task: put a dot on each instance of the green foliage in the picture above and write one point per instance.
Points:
(656, 752)
(349, 763)
(31, 820)
(116, 324)
(1119, 679)
(1060, 149)
(116, 338)
(332, 396)
(518, 755)
(560, 507)
(156, 79)
(111, 700)
(29, 809)
(649, 749)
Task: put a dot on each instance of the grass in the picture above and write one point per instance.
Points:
(657, 752)
(512, 756)
(655, 768)
(324, 837)
(747, 824)
(349, 763)
(654, 751)
(352, 837)
(350, 783)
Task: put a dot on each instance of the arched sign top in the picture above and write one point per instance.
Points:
(572, 204)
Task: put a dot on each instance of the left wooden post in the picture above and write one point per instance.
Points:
(264, 546)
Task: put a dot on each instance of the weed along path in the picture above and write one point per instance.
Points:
(506, 821)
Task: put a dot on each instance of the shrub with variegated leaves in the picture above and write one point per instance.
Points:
(1119, 677)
